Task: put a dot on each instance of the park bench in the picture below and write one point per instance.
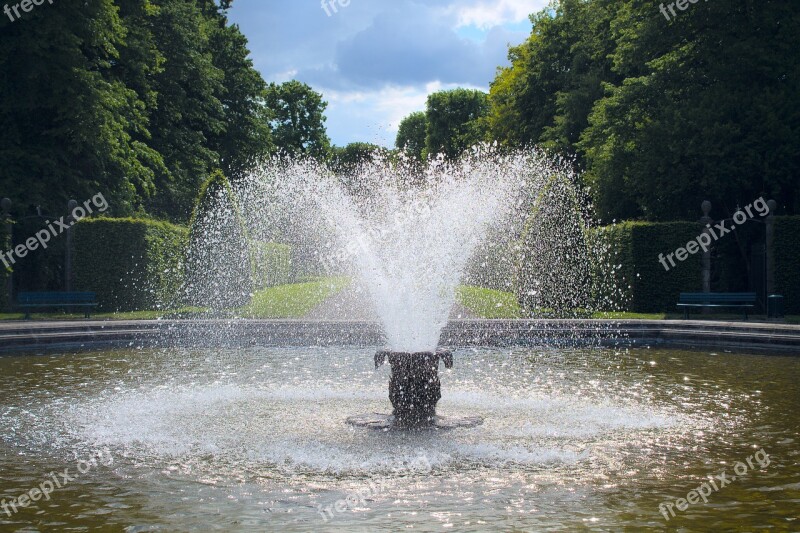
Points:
(28, 301)
(743, 300)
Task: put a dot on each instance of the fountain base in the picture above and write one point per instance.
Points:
(386, 422)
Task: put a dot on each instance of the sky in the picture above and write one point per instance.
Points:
(376, 61)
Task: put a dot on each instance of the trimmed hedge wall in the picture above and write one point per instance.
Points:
(787, 262)
(131, 264)
(634, 248)
(272, 263)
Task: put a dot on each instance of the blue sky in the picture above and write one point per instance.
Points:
(375, 61)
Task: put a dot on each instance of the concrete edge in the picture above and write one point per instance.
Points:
(756, 338)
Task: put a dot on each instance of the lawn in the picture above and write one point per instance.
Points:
(292, 301)
(488, 303)
(283, 301)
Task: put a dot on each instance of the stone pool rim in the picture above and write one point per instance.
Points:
(79, 335)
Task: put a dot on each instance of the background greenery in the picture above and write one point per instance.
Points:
(131, 264)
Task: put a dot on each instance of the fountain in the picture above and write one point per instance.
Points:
(407, 236)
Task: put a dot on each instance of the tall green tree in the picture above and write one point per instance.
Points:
(298, 119)
(411, 135)
(708, 109)
(455, 121)
(69, 125)
(139, 100)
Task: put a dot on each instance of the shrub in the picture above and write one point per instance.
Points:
(272, 264)
(219, 266)
(633, 250)
(554, 262)
(131, 264)
(787, 261)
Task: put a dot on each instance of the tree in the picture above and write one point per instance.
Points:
(136, 100)
(707, 110)
(454, 121)
(69, 126)
(297, 119)
(351, 158)
(411, 135)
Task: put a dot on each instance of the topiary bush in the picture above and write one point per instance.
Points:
(554, 271)
(131, 264)
(219, 265)
(272, 264)
(787, 262)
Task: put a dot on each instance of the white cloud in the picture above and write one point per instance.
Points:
(380, 111)
(485, 14)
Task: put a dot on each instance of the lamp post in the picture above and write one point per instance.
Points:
(71, 205)
(5, 205)
(769, 248)
(706, 221)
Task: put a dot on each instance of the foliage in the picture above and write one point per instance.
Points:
(634, 248)
(135, 99)
(219, 265)
(489, 303)
(298, 120)
(661, 114)
(411, 135)
(455, 121)
(131, 264)
(348, 160)
(272, 263)
(787, 261)
(554, 264)
(292, 301)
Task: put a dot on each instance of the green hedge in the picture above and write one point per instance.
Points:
(219, 263)
(131, 264)
(272, 264)
(633, 250)
(554, 264)
(787, 262)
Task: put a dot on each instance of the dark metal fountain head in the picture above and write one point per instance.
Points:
(414, 388)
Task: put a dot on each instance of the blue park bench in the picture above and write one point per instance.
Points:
(29, 301)
(743, 300)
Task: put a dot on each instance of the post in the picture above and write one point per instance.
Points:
(5, 204)
(71, 205)
(769, 249)
(706, 221)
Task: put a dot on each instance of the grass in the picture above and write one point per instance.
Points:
(292, 301)
(624, 315)
(283, 301)
(488, 303)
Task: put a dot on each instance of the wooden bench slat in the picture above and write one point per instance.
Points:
(742, 300)
(32, 300)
